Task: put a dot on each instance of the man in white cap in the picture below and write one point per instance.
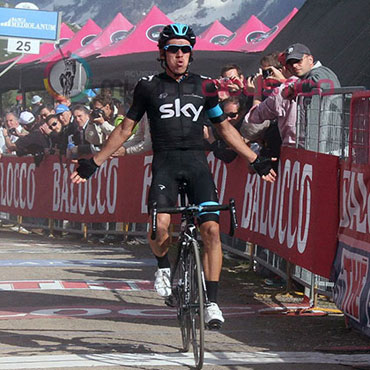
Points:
(33, 143)
(36, 103)
(27, 120)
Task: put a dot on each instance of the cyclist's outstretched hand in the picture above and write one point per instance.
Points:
(86, 168)
(264, 167)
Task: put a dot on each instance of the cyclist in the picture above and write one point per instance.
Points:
(175, 102)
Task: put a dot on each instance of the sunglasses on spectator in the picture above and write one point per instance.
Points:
(53, 124)
(232, 114)
(173, 49)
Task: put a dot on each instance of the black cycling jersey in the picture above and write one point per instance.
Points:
(176, 109)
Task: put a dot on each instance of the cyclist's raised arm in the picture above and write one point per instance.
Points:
(87, 167)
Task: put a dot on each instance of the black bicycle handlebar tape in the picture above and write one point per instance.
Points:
(262, 165)
(233, 219)
(86, 167)
(153, 235)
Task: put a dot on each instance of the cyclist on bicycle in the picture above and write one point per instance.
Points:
(175, 102)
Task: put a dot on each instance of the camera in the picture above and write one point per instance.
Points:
(12, 131)
(97, 113)
(266, 73)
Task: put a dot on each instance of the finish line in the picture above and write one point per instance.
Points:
(180, 359)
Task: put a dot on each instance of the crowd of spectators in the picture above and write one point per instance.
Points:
(262, 107)
(61, 127)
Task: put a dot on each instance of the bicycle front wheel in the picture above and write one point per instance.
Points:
(179, 289)
(196, 293)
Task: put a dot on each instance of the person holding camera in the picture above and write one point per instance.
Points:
(33, 143)
(11, 132)
(271, 105)
(105, 117)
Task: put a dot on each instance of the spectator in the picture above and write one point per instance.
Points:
(105, 117)
(17, 109)
(46, 110)
(34, 143)
(2, 139)
(320, 118)
(80, 146)
(58, 144)
(12, 131)
(64, 114)
(274, 107)
(36, 103)
(60, 99)
(232, 83)
(139, 142)
(69, 127)
(27, 120)
(268, 77)
(234, 109)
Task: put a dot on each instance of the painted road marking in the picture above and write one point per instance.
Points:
(22, 285)
(138, 312)
(179, 359)
(70, 263)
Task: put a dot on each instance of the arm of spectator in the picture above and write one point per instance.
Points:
(276, 74)
(208, 134)
(107, 128)
(258, 87)
(9, 144)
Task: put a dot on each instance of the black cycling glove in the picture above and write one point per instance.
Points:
(86, 168)
(262, 165)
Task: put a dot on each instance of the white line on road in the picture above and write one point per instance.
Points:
(179, 359)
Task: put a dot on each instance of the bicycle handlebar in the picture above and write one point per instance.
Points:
(193, 210)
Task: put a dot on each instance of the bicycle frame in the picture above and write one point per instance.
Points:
(189, 290)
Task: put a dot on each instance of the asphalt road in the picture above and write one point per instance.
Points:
(65, 304)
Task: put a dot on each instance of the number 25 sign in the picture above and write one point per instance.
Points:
(27, 46)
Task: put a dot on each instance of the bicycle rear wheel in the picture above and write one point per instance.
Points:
(196, 304)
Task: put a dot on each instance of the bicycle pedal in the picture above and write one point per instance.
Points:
(214, 325)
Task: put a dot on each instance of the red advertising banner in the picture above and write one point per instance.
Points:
(352, 263)
(297, 217)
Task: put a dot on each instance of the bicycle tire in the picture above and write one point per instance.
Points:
(183, 314)
(196, 304)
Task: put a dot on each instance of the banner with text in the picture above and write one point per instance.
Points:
(352, 273)
(297, 217)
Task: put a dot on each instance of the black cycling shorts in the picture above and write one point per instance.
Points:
(171, 168)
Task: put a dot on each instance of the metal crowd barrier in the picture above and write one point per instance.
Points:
(323, 125)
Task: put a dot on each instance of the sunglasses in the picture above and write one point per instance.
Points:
(232, 114)
(173, 49)
(53, 124)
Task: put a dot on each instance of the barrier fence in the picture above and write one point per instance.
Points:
(297, 219)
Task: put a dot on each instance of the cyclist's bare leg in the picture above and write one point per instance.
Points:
(160, 245)
(212, 254)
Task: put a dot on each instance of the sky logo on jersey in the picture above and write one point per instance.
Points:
(170, 110)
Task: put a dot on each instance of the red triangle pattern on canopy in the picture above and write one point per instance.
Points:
(143, 38)
(261, 42)
(85, 35)
(121, 37)
(244, 33)
(116, 31)
(216, 33)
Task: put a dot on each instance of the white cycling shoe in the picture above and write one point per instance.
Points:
(162, 283)
(213, 316)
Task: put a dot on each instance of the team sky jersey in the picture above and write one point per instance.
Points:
(176, 110)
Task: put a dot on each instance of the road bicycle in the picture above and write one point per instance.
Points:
(189, 294)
